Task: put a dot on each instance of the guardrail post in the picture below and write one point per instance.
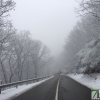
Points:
(1, 84)
(26, 83)
(17, 86)
(0, 90)
(1, 81)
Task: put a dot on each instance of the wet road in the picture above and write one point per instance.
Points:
(68, 89)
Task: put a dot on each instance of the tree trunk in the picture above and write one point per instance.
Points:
(4, 73)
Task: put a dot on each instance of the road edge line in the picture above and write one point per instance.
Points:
(56, 96)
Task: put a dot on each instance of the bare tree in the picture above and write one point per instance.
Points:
(5, 48)
(89, 7)
(5, 7)
(39, 54)
(20, 45)
(21, 56)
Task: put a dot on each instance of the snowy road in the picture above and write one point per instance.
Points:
(68, 89)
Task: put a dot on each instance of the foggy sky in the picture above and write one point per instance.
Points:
(49, 21)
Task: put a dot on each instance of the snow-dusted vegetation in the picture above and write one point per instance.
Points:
(89, 57)
(82, 47)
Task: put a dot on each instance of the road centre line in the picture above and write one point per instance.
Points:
(56, 97)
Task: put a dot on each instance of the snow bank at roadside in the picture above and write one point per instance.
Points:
(92, 81)
(13, 92)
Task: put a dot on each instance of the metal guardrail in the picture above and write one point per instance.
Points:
(20, 82)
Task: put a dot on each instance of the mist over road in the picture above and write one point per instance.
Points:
(68, 90)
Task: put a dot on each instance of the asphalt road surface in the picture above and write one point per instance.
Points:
(68, 89)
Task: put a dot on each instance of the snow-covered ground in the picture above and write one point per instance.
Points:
(92, 81)
(13, 92)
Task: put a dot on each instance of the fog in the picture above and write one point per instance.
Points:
(49, 21)
(44, 38)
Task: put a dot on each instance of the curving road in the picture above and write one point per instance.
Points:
(68, 89)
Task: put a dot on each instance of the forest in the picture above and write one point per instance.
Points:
(21, 57)
(82, 45)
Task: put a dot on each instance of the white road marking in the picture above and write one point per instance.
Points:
(56, 97)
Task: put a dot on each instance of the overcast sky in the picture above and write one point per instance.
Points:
(49, 21)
